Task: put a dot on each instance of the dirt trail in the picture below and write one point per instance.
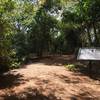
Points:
(42, 81)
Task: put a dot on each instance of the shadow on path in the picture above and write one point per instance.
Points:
(59, 60)
(31, 94)
(9, 80)
(93, 73)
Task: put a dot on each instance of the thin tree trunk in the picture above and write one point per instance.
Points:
(95, 34)
(89, 37)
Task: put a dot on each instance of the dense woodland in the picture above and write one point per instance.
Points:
(46, 27)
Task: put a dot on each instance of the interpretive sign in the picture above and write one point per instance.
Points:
(89, 54)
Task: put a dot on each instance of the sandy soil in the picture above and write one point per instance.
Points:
(44, 80)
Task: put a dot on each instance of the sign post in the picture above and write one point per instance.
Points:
(90, 65)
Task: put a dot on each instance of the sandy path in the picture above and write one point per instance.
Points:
(39, 81)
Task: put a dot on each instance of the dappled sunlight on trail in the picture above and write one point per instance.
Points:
(40, 81)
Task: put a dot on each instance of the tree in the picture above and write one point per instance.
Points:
(84, 14)
(89, 12)
(6, 8)
(40, 37)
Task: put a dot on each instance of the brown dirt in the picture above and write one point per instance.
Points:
(48, 79)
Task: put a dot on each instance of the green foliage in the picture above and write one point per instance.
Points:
(5, 33)
(71, 67)
(40, 35)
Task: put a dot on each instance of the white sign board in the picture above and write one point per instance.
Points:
(89, 54)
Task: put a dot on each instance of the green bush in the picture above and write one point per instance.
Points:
(14, 61)
(71, 67)
(15, 65)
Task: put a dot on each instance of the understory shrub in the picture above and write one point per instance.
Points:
(71, 67)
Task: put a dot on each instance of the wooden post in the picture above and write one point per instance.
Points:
(90, 66)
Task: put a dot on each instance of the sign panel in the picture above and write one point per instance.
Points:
(89, 54)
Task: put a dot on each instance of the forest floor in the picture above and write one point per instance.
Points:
(48, 79)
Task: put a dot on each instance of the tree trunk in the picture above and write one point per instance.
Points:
(89, 37)
(95, 34)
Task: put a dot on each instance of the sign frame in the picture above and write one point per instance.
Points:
(88, 52)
